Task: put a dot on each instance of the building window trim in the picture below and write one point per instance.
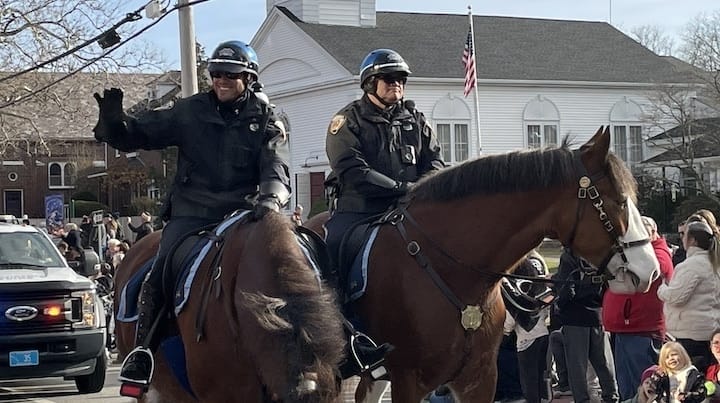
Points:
(62, 175)
(456, 148)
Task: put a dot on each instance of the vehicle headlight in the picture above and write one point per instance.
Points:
(86, 312)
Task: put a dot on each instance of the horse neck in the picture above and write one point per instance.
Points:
(490, 232)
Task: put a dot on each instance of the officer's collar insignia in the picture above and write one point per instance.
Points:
(254, 127)
(336, 123)
(226, 52)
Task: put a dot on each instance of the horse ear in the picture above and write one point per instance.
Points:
(597, 147)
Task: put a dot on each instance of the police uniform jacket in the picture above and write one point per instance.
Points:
(397, 143)
(225, 151)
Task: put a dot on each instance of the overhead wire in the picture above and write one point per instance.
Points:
(96, 59)
(129, 17)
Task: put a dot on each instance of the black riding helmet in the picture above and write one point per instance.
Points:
(234, 57)
(380, 62)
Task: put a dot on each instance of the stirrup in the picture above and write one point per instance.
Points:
(376, 369)
(140, 350)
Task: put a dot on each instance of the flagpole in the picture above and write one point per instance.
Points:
(477, 97)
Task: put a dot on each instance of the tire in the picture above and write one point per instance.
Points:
(93, 383)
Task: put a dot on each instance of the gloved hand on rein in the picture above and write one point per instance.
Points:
(264, 206)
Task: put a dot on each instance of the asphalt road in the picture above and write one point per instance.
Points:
(55, 390)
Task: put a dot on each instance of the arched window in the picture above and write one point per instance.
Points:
(61, 175)
(626, 121)
(451, 117)
(541, 120)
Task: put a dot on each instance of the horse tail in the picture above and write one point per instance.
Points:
(305, 314)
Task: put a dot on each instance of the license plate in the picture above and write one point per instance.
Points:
(24, 358)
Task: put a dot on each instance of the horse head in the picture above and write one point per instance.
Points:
(606, 228)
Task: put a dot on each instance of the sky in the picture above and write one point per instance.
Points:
(216, 21)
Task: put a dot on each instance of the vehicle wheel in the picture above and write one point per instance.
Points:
(93, 383)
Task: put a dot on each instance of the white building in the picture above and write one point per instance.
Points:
(538, 80)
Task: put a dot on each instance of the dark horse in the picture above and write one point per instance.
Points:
(435, 268)
(272, 334)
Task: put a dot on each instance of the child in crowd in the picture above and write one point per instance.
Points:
(677, 380)
(646, 391)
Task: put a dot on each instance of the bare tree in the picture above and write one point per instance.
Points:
(653, 38)
(701, 42)
(59, 36)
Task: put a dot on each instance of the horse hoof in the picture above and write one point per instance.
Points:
(307, 383)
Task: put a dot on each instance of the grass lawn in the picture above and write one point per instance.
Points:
(550, 251)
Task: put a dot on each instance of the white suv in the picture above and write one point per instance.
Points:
(51, 320)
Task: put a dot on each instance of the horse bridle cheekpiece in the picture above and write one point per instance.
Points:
(588, 191)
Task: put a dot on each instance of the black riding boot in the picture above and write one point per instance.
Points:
(364, 355)
(139, 365)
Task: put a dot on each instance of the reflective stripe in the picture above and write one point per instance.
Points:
(228, 61)
(380, 66)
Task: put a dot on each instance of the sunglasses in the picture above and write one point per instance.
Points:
(394, 78)
(230, 76)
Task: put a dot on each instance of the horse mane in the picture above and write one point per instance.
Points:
(516, 171)
(315, 339)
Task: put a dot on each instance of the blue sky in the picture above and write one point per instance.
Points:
(220, 20)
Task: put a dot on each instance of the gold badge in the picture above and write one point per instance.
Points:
(471, 317)
(336, 123)
(584, 182)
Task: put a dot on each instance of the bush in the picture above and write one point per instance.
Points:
(317, 207)
(140, 204)
(84, 195)
(85, 207)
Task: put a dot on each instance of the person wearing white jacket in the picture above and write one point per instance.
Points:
(692, 297)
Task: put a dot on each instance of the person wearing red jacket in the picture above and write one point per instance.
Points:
(636, 321)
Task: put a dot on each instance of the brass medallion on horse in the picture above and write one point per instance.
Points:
(257, 325)
(433, 272)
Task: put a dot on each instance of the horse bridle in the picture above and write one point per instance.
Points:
(588, 191)
(471, 315)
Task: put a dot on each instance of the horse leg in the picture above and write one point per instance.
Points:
(370, 392)
(405, 388)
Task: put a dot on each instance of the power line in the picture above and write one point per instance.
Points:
(96, 59)
(129, 17)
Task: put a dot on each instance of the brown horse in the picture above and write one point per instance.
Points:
(433, 273)
(272, 334)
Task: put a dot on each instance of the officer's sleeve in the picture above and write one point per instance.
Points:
(151, 130)
(347, 160)
(430, 156)
(274, 171)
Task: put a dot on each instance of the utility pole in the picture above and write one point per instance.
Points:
(188, 56)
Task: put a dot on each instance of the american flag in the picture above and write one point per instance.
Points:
(468, 59)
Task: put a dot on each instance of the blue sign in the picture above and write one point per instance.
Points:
(54, 208)
(24, 358)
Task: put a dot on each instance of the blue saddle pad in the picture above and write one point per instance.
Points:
(127, 311)
(358, 273)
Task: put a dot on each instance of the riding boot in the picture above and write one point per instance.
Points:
(139, 365)
(364, 354)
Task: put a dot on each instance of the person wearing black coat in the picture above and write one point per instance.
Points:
(232, 154)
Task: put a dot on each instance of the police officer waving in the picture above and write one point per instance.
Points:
(378, 146)
(232, 155)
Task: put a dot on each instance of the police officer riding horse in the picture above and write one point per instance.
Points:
(378, 146)
(232, 154)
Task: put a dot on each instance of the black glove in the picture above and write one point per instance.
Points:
(111, 112)
(264, 206)
(403, 187)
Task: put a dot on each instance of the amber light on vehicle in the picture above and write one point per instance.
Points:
(54, 310)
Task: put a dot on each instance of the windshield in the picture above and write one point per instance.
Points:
(28, 249)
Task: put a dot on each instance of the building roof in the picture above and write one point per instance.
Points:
(66, 110)
(705, 141)
(506, 47)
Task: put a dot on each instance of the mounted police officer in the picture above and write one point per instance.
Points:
(232, 155)
(378, 146)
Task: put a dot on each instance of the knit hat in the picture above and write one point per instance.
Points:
(648, 373)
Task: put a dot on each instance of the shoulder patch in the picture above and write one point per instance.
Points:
(336, 123)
